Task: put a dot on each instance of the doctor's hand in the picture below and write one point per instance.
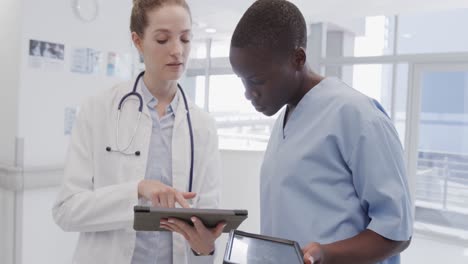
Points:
(313, 253)
(162, 195)
(200, 238)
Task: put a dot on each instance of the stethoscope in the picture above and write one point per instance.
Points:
(140, 108)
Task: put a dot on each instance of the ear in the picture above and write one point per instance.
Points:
(299, 58)
(137, 41)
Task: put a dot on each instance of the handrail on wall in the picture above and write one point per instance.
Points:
(17, 179)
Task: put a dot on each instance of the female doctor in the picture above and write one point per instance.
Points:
(143, 143)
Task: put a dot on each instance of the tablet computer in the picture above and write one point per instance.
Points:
(246, 248)
(148, 218)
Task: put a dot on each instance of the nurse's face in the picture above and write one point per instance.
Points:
(165, 44)
(270, 81)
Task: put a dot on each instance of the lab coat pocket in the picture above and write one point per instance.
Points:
(131, 167)
(115, 168)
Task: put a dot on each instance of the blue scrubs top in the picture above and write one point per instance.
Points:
(335, 170)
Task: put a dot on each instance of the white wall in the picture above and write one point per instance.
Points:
(9, 77)
(6, 221)
(9, 83)
(44, 94)
(42, 240)
(41, 99)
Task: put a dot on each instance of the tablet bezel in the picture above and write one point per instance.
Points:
(233, 233)
(148, 218)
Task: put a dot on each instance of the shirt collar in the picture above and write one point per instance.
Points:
(151, 101)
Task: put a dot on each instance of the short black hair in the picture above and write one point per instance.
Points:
(277, 25)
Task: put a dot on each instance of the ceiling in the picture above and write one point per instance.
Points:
(223, 15)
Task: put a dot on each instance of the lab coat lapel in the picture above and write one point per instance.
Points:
(145, 109)
(181, 112)
(180, 148)
(133, 101)
(180, 168)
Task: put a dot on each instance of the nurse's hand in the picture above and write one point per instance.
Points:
(200, 238)
(313, 253)
(162, 195)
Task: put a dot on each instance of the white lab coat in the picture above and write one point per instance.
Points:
(100, 188)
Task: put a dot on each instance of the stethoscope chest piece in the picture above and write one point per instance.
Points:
(125, 149)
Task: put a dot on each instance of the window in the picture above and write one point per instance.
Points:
(435, 32)
(240, 126)
(198, 49)
(401, 91)
(377, 38)
(442, 164)
(200, 91)
(220, 48)
(373, 80)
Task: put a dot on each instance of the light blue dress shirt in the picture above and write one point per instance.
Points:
(156, 247)
(335, 170)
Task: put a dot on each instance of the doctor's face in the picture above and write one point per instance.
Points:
(165, 44)
(269, 80)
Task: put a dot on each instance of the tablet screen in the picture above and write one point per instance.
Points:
(248, 250)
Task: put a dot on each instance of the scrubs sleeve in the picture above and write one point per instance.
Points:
(380, 180)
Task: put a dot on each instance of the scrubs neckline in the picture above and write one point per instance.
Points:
(310, 93)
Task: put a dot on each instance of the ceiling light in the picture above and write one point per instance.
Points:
(210, 30)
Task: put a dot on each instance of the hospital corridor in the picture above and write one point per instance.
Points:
(237, 132)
